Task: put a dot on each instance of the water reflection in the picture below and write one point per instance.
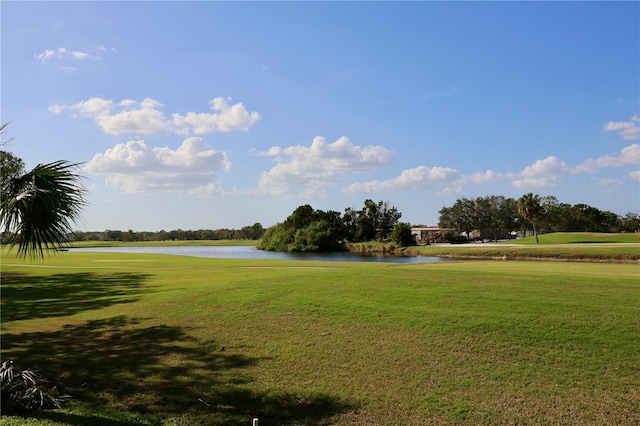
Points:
(250, 252)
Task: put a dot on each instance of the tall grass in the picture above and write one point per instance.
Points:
(152, 339)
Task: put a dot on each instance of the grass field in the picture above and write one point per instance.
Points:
(172, 340)
(560, 246)
(580, 238)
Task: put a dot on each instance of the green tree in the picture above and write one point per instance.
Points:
(256, 231)
(315, 237)
(375, 220)
(115, 235)
(506, 214)
(610, 222)
(401, 234)
(349, 224)
(307, 229)
(484, 215)
(367, 222)
(301, 217)
(529, 207)
(276, 238)
(550, 217)
(10, 168)
(460, 216)
(631, 222)
(388, 219)
(585, 218)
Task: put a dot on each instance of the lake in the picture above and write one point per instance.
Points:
(250, 252)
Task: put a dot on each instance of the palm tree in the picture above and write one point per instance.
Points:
(39, 207)
(529, 207)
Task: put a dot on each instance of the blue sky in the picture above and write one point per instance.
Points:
(221, 114)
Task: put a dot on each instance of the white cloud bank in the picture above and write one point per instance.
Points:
(626, 129)
(308, 170)
(135, 167)
(131, 117)
(416, 178)
(545, 173)
(422, 177)
(541, 174)
(628, 156)
(305, 171)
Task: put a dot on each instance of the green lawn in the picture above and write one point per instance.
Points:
(580, 238)
(604, 252)
(560, 246)
(173, 340)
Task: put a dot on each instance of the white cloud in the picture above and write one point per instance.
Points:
(545, 173)
(449, 191)
(209, 190)
(609, 182)
(626, 129)
(228, 118)
(628, 156)
(94, 107)
(635, 175)
(308, 170)
(541, 174)
(104, 48)
(135, 167)
(61, 53)
(426, 177)
(145, 117)
(484, 177)
(416, 178)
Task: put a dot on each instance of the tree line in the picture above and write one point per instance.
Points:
(253, 232)
(308, 229)
(494, 216)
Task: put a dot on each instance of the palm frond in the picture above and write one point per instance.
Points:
(26, 390)
(3, 131)
(38, 209)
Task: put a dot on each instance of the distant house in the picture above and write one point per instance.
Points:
(422, 235)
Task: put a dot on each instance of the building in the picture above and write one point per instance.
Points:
(422, 235)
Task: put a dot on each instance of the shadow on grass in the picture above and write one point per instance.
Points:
(160, 372)
(77, 419)
(42, 296)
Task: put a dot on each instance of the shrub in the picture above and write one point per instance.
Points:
(26, 390)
